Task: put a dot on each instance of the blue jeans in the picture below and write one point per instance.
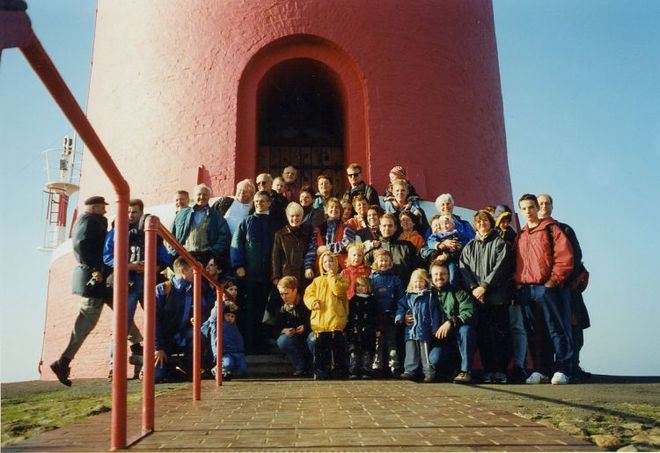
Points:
(460, 342)
(518, 335)
(234, 363)
(296, 349)
(417, 352)
(547, 335)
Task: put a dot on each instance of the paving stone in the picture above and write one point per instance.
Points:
(281, 415)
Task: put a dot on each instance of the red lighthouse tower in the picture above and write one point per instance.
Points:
(215, 92)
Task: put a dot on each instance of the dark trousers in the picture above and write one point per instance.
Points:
(549, 343)
(330, 355)
(253, 296)
(493, 336)
(361, 356)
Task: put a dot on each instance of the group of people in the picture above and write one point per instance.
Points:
(351, 286)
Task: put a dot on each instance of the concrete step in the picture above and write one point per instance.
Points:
(271, 365)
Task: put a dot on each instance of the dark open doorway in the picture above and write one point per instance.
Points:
(301, 121)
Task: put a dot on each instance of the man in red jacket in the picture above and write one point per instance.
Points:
(544, 260)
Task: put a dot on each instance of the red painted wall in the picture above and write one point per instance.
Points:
(173, 88)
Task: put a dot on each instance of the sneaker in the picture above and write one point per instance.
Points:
(488, 378)
(298, 373)
(353, 376)
(500, 378)
(110, 375)
(428, 379)
(517, 376)
(559, 378)
(407, 376)
(62, 372)
(464, 377)
(537, 378)
(226, 376)
(366, 376)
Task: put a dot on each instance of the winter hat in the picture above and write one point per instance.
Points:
(502, 212)
(399, 172)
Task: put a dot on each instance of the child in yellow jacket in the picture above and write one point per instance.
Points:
(326, 299)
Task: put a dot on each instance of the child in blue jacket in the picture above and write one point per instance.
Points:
(387, 290)
(420, 306)
(233, 347)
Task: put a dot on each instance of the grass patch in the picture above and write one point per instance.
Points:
(30, 408)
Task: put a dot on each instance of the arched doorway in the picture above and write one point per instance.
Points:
(301, 121)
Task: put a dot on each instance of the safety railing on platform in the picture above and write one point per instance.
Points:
(16, 31)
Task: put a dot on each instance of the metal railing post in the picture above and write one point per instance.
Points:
(151, 226)
(218, 361)
(197, 332)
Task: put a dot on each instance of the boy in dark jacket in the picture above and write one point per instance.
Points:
(362, 329)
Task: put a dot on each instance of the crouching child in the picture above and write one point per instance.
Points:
(233, 346)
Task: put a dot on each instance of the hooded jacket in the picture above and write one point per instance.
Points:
(488, 263)
(543, 253)
(424, 308)
(330, 292)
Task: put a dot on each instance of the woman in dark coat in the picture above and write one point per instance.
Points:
(486, 264)
(289, 247)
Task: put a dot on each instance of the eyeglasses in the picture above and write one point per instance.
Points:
(353, 175)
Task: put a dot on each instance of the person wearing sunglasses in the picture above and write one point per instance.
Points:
(358, 186)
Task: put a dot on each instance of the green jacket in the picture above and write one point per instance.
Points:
(456, 306)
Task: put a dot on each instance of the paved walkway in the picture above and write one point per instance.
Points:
(318, 416)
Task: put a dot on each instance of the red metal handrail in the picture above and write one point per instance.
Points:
(152, 229)
(16, 31)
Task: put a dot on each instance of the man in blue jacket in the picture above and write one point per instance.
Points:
(174, 331)
(251, 248)
(135, 274)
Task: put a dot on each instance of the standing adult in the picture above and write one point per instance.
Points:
(89, 280)
(400, 202)
(404, 254)
(289, 248)
(181, 199)
(445, 205)
(278, 202)
(312, 216)
(371, 233)
(251, 249)
(202, 230)
(358, 186)
(135, 267)
(544, 261)
(235, 209)
(325, 190)
(331, 236)
(486, 264)
(291, 186)
(574, 308)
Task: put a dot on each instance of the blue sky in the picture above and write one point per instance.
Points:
(582, 113)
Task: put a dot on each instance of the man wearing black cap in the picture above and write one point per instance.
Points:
(88, 280)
